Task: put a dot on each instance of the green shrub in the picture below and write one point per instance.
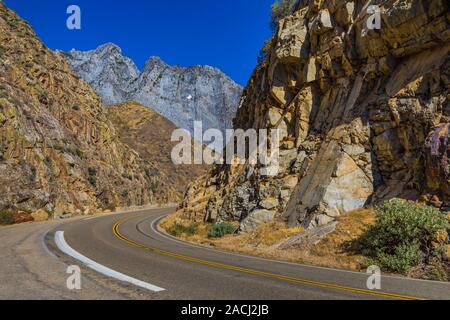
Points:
(178, 229)
(151, 172)
(403, 236)
(404, 257)
(77, 152)
(264, 52)
(92, 180)
(280, 10)
(2, 50)
(92, 176)
(439, 273)
(6, 218)
(92, 171)
(68, 149)
(220, 230)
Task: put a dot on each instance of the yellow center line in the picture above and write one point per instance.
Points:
(255, 272)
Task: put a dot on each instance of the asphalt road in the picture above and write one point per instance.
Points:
(29, 271)
(130, 244)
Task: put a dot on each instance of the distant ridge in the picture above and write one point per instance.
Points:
(182, 95)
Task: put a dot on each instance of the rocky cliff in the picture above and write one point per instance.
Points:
(182, 95)
(106, 69)
(58, 150)
(366, 113)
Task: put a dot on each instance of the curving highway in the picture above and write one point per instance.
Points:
(131, 245)
(124, 256)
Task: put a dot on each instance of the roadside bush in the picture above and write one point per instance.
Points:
(280, 10)
(6, 218)
(92, 176)
(402, 260)
(220, 230)
(179, 229)
(404, 236)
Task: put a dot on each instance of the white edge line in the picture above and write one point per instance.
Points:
(65, 248)
(190, 244)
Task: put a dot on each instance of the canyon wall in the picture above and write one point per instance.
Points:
(58, 150)
(366, 113)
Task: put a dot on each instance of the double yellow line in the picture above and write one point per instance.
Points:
(255, 272)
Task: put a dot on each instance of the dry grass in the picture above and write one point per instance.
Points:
(178, 218)
(332, 251)
(272, 233)
(147, 132)
(170, 220)
(335, 247)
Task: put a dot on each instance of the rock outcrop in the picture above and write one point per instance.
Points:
(437, 157)
(106, 69)
(58, 150)
(182, 95)
(366, 112)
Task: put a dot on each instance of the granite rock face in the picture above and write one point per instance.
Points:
(106, 69)
(437, 158)
(182, 95)
(366, 112)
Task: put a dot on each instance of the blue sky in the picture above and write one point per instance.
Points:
(226, 34)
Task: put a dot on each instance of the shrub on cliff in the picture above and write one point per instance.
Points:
(6, 217)
(220, 230)
(2, 50)
(405, 235)
(179, 229)
(264, 52)
(281, 9)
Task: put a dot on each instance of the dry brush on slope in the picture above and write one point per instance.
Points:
(149, 133)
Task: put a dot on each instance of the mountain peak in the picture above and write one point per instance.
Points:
(153, 62)
(107, 64)
(214, 97)
(109, 46)
(155, 59)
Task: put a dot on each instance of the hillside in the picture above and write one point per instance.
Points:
(366, 114)
(149, 134)
(182, 95)
(58, 150)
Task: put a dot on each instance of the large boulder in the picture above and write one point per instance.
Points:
(40, 215)
(256, 218)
